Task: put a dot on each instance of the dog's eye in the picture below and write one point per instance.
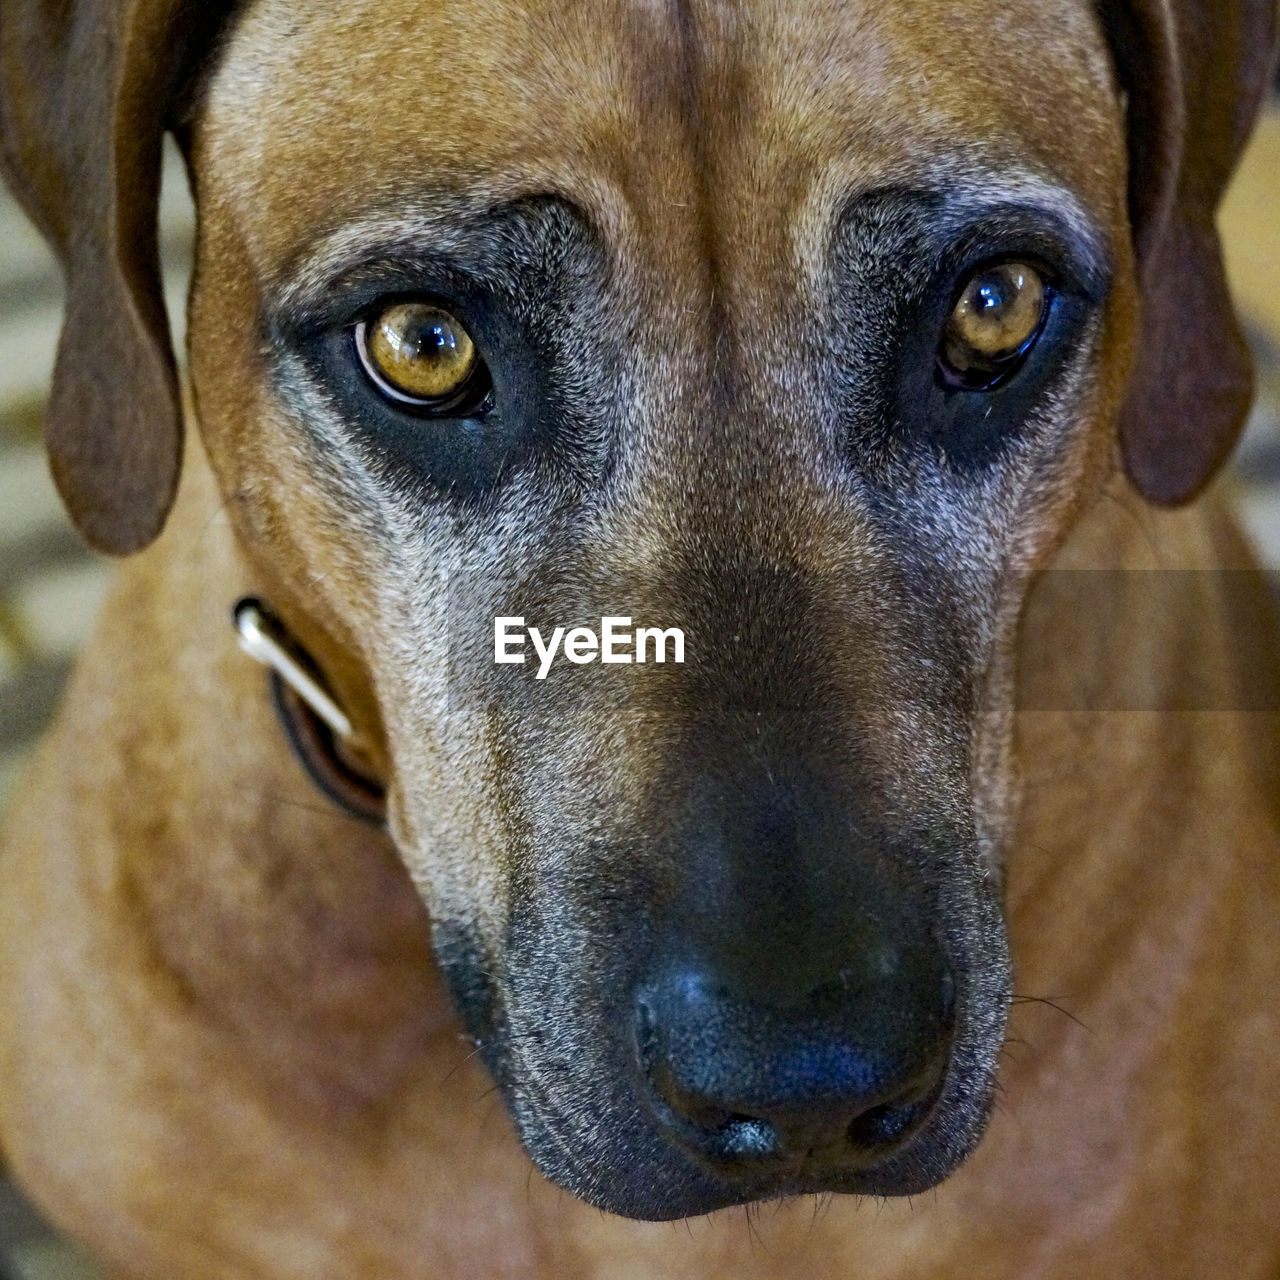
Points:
(421, 355)
(995, 322)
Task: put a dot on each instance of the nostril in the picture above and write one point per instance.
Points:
(730, 1135)
(887, 1123)
(726, 1134)
(823, 1083)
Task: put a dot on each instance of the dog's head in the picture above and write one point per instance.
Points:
(805, 329)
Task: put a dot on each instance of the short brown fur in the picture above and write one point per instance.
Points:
(225, 1047)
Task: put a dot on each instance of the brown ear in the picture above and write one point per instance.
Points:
(85, 91)
(1194, 72)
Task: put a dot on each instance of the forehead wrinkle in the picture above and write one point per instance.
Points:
(690, 107)
(777, 90)
(312, 111)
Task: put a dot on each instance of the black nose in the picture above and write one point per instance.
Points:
(836, 1078)
(798, 1008)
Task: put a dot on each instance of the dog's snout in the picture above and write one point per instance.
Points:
(838, 1077)
(796, 1012)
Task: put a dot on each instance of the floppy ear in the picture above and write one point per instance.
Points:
(1194, 73)
(85, 89)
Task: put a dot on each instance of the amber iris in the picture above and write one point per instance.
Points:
(994, 323)
(418, 352)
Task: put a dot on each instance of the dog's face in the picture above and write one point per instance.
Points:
(773, 323)
(803, 329)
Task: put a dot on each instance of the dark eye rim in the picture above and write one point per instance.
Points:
(985, 374)
(473, 399)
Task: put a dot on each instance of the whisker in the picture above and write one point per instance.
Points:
(462, 1062)
(1052, 1003)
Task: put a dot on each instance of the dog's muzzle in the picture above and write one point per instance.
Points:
(774, 1077)
(764, 1012)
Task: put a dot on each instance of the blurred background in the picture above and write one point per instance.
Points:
(50, 586)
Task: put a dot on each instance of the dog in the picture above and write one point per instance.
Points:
(838, 338)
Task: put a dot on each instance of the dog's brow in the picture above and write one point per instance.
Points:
(457, 232)
(994, 200)
(1006, 187)
(1029, 197)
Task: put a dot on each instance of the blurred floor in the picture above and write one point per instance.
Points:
(50, 587)
(1250, 223)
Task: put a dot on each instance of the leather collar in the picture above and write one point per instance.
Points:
(315, 726)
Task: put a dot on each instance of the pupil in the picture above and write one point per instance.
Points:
(436, 341)
(992, 297)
